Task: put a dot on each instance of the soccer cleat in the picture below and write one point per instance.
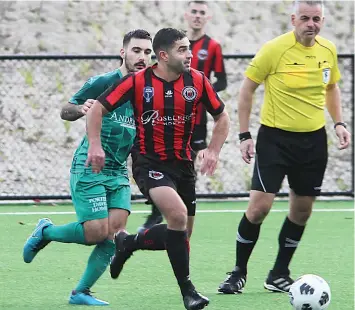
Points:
(35, 241)
(234, 283)
(85, 298)
(121, 255)
(278, 283)
(195, 301)
(152, 219)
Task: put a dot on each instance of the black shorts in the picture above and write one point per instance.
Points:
(198, 139)
(302, 156)
(177, 174)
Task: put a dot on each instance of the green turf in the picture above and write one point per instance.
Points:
(147, 282)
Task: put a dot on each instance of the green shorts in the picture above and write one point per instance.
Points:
(94, 194)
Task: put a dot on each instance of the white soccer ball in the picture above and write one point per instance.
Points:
(310, 292)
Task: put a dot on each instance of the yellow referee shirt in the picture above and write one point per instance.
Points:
(295, 79)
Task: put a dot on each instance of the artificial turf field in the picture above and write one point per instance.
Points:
(147, 281)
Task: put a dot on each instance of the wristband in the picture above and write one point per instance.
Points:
(339, 124)
(244, 136)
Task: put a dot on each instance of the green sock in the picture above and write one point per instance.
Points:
(70, 233)
(98, 261)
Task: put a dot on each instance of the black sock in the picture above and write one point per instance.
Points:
(289, 237)
(153, 239)
(155, 211)
(248, 234)
(177, 249)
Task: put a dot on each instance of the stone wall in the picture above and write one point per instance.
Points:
(36, 146)
(75, 27)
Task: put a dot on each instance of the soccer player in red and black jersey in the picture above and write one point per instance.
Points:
(208, 58)
(165, 99)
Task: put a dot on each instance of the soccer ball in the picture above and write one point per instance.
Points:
(310, 292)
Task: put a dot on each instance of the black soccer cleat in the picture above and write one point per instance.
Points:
(234, 283)
(195, 301)
(152, 219)
(121, 255)
(278, 283)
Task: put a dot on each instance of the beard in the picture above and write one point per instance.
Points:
(177, 67)
(134, 67)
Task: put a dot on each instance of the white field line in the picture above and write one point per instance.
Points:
(148, 211)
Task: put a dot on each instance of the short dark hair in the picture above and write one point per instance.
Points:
(165, 39)
(136, 34)
(198, 2)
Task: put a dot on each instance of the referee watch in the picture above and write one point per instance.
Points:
(339, 124)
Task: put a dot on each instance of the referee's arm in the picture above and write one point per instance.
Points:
(332, 100)
(333, 103)
(245, 102)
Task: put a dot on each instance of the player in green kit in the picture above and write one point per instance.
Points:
(101, 200)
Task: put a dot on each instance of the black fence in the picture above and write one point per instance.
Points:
(36, 146)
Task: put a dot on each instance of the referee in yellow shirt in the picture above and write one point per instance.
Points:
(300, 73)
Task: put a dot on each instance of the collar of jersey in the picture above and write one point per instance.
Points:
(160, 79)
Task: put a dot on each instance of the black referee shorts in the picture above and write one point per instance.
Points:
(177, 174)
(302, 156)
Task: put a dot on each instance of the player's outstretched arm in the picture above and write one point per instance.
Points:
(210, 155)
(96, 155)
(72, 112)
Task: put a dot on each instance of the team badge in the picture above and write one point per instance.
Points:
(326, 75)
(202, 54)
(156, 175)
(148, 93)
(189, 93)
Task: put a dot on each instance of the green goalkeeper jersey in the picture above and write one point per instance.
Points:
(118, 127)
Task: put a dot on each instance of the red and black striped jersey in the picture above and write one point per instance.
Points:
(207, 57)
(165, 112)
